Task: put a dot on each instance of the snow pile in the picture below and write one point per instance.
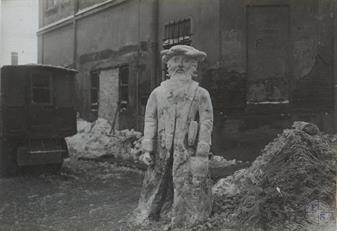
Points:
(97, 139)
(221, 167)
(290, 186)
(220, 162)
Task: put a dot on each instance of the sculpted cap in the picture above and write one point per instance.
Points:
(183, 50)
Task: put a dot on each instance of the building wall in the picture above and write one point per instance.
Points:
(58, 46)
(110, 46)
(87, 3)
(204, 16)
(245, 127)
(61, 9)
(109, 28)
(309, 48)
(114, 46)
(19, 23)
(290, 44)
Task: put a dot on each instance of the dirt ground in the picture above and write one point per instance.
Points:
(95, 194)
(85, 195)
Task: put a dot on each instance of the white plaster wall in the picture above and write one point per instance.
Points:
(108, 94)
(19, 23)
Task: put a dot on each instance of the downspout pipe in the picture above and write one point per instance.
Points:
(334, 27)
(76, 5)
(156, 57)
(138, 64)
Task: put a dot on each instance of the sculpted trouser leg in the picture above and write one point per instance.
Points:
(168, 197)
(163, 201)
(181, 183)
(157, 192)
(192, 191)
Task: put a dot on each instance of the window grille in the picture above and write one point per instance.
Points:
(177, 32)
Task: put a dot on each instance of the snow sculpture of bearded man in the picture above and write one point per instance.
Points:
(176, 144)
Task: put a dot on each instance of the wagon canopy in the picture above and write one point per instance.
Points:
(46, 67)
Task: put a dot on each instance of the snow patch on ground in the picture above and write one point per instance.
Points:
(219, 161)
(97, 139)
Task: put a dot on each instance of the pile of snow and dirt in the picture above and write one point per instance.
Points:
(98, 139)
(221, 167)
(290, 186)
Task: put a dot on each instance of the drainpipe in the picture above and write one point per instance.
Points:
(156, 57)
(76, 4)
(334, 46)
(138, 67)
(79, 102)
(1, 52)
(40, 37)
(334, 27)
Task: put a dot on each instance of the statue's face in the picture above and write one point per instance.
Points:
(181, 67)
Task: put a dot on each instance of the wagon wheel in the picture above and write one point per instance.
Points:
(56, 167)
(53, 168)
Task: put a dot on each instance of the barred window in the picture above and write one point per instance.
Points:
(177, 32)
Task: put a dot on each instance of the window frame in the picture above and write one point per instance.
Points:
(51, 5)
(51, 90)
(123, 86)
(173, 36)
(94, 107)
(177, 32)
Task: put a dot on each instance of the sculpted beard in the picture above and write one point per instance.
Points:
(175, 71)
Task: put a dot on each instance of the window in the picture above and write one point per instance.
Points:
(14, 58)
(50, 4)
(41, 88)
(94, 91)
(177, 32)
(123, 86)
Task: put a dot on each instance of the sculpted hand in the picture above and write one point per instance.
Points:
(147, 159)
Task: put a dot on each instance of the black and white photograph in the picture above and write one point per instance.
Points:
(168, 115)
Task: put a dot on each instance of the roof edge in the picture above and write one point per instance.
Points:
(43, 66)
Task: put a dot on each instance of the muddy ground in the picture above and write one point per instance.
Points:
(85, 195)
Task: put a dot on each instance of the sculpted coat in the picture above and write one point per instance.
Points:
(177, 186)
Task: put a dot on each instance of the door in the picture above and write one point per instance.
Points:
(41, 101)
(108, 95)
(267, 54)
